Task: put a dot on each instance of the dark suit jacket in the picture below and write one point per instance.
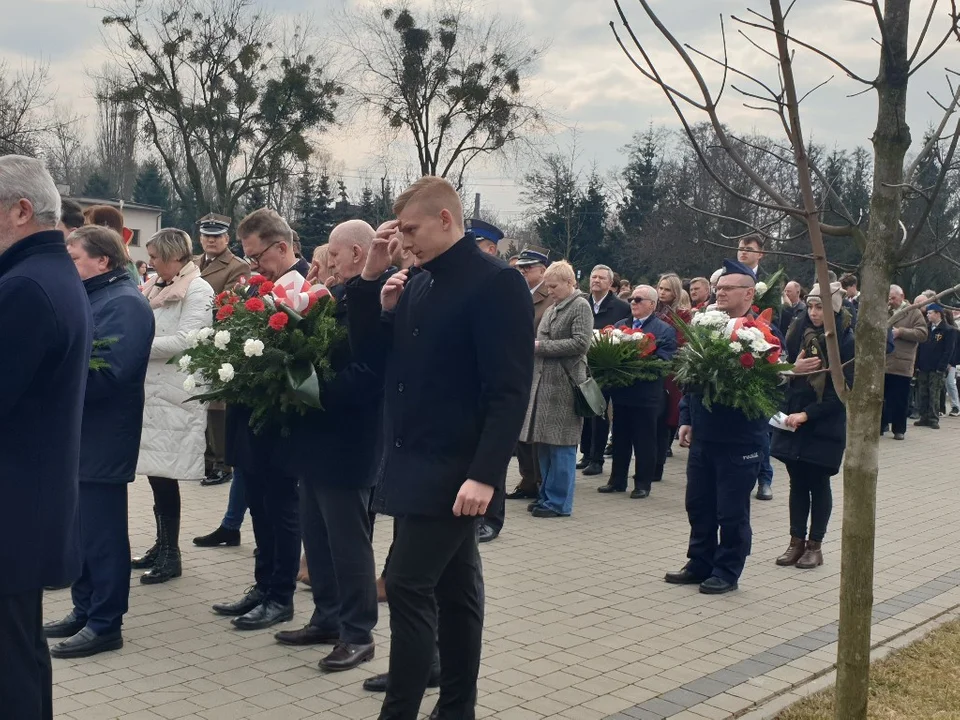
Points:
(612, 309)
(45, 319)
(648, 393)
(458, 353)
(113, 404)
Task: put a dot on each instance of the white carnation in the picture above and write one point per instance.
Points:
(190, 384)
(205, 333)
(750, 335)
(253, 348)
(711, 318)
(761, 289)
(185, 361)
(736, 347)
(226, 372)
(221, 339)
(715, 335)
(192, 338)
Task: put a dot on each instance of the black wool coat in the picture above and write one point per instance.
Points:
(937, 352)
(823, 438)
(612, 309)
(113, 404)
(45, 320)
(458, 358)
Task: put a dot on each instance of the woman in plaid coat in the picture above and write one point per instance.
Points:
(563, 339)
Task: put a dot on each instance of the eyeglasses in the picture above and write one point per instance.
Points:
(726, 288)
(255, 259)
(637, 301)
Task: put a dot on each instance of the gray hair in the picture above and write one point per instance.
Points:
(897, 290)
(648, 292)
(25, 178)
(603, 267)
(171, 244)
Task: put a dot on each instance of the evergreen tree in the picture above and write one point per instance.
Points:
(368, 206)
(150, 188)
(97, 187)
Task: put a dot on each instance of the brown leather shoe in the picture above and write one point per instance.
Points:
(309, 635)
(813, 557)
(381, 589)
(793, 553)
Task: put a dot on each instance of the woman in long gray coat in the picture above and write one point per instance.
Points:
(565, 334)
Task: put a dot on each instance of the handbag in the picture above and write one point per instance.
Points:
(588, 399)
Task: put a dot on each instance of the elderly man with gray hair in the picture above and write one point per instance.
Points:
(909, 330)
(44, 311)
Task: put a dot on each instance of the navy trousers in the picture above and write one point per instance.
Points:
(275, 514)
(102, 592)
(720, 478)
(336, 540)
(26, 681)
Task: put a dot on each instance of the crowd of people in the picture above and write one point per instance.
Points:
(457, 362)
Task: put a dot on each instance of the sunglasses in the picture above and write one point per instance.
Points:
(637, 301)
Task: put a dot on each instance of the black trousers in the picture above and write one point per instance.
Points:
(496, 513)
(720, 478)
(26, 681)
(529, 464)
(665, 436)
(102, 592)
(810, 497)
(275, 514)
(336, 540)
(593, 438)
(434, 590)
(896, 396)
(634, 429)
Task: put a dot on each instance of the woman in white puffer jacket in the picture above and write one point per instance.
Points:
(173, 439)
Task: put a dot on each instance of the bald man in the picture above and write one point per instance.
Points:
(793, 307)
(335, 491)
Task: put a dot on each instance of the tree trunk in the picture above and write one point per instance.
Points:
(891, 140)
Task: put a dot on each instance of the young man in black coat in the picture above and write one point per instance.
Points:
(459, 366)
(933, 358)
(109, 444)
(45, 318)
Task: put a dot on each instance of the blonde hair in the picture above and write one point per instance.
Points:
(321, 255)
(561, 270)
(673, 280)
(172, 244)
(685, 302)
(435, 194)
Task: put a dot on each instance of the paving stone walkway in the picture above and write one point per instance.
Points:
(579, 622)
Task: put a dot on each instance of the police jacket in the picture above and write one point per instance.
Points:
(113, 403)
(340, 444)
(822, 439)
(937, 352)
(46, 323)
(458, 357)
(611, 310)
(648, 393)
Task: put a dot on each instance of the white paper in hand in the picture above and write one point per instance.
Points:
(779, 421)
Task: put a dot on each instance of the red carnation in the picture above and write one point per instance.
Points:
(224, 312)
(221, 297)
(255, 304)
(266, 288)
(774, 357)
(278, 321)
(747, 360)
(257, 280)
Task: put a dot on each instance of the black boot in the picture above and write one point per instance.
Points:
(148, 559)
(168, 564)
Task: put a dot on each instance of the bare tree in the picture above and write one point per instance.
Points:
(69, 159)
(224, 95)
(884, 242)
(117, 134)
(26, 122)
(454, 82)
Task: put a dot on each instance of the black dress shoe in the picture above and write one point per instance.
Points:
(593, 469)
(519, 494)
(639, 494)
(347, 656)
(309, 635)
(378, 683)
(66, 628)
(716, 586)
(533, 506)
(683, 577)
(266, 614)
(220, 536)
(582, 464)
(764, 491)
(543, 512)
(610, 489)
(251, 599)
(485, 533)
(86, 643)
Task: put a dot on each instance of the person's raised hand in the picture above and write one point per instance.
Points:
(392, 289)
(473, 499)
(382, 249)
(804, 365)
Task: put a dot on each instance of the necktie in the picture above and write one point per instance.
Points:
(637, 324)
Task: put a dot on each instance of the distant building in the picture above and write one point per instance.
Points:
(143, 220)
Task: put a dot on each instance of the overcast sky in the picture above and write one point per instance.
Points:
(584, 77)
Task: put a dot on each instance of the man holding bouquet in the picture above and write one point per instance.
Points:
(459, 365)
(726, 449)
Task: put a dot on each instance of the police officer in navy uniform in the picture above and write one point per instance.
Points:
(726, 449)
